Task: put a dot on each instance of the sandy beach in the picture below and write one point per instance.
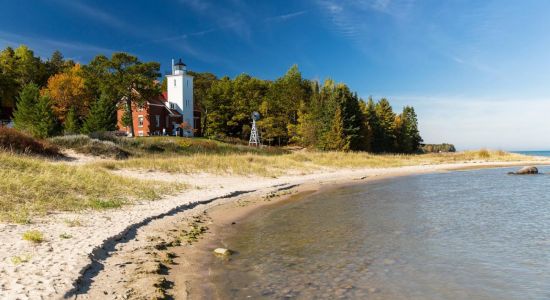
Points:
(127, 252)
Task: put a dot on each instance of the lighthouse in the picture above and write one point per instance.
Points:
(180, 94)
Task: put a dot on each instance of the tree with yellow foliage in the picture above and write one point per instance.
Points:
(67, 92)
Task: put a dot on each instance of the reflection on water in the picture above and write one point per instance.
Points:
(462, 235)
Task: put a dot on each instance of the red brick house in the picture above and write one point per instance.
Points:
(172, 113)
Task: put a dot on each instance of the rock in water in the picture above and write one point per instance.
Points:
(222, 252)
(526, 171)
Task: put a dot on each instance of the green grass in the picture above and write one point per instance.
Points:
(31, 186)
(33, 236)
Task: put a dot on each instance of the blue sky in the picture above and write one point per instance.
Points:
(478, 72)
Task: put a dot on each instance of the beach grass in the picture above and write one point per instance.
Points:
(32, 185)
(109, 146)
(34, 236)
(301, 162)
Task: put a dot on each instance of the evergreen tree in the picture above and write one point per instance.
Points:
(102, 116)
(55, 64)
(384, 134)
(46, 123)
(335, 139)
(34, 113)
(25, 114)
(367, 128)
(71, 124)
(351, 115)
(408, 136)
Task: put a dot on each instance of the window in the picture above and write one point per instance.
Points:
(140, 133)
(174, 82)
(172, 105)
(140, 121)
(157, 119)
(187, 83)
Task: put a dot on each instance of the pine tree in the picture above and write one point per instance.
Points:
(372, 122)
(335, 139)
(366, 128)
(351, 115)
(55, 64)
(25, 112)
(71, 124)
(410, 130)
(46, 123)
(102, 116)
(384, 137)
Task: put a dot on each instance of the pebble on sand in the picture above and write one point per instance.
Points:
(222, 251)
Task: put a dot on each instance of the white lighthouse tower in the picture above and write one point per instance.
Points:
(180, 93)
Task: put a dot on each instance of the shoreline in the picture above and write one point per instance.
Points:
(128, 247)
(181, 277)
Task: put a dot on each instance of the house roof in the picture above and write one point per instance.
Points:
(162, 100)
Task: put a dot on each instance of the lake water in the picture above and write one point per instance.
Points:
(460, 235)
(533, 153)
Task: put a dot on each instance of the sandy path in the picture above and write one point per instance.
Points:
(55, 265)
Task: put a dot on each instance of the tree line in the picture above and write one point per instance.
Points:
(294, 110)
(57, 96)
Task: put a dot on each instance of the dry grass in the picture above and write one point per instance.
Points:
(303, 162)
(31, 185)
(15, 141)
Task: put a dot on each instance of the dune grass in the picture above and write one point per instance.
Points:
(297, 162)
(31, 186)
(33, 236)
(111, 146)
(34, 185)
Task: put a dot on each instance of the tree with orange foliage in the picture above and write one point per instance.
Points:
(67, 92)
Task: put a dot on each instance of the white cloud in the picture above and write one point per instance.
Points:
(286, 17)
(97, 14)
(44, 46)
(224, 18)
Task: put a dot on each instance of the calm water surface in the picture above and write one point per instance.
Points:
(461, 235)
(534, 153)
